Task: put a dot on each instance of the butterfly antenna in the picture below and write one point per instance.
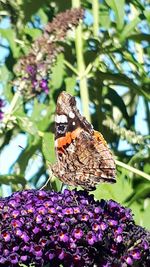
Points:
(37, 154)
(48, 180)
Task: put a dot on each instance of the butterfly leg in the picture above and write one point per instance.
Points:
(48, 180)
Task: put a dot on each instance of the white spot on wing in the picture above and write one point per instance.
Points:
(61, 118)
(56, 143)
(57, 119)
(71, 115)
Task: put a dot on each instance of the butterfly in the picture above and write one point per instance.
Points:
(83, 157)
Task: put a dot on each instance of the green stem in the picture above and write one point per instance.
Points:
(14, 101)
(12, 106)
(99, 90)
(147, 114)
(132, 169)
(81, 66)
(95, 8)
(99, 113)
(71, 67)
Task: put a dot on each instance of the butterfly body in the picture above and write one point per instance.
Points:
(83, 157)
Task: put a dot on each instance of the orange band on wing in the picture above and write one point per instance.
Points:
(100, 138)
(67, 139)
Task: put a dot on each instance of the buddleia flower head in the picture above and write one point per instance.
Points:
(69, 229)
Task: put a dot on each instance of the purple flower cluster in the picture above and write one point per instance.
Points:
(2, 104)
(35, 68)
(69, 229)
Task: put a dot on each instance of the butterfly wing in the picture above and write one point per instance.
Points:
(83, 157)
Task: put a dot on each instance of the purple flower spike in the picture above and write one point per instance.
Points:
(50, 228)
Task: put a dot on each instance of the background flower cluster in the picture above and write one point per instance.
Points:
(34, 70)
(2, 104)
(69, 229)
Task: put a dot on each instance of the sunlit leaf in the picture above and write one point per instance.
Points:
(10, 35)
(34, 33)
(27, 125)
(48, 147)
(57, 72)
(70, 84)
(118, 7)
(104, 15)
(118, 191)
(129, 28)
(147, 15)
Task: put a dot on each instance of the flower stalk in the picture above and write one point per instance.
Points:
(81, 66)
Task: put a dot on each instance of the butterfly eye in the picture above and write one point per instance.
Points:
(61, 128)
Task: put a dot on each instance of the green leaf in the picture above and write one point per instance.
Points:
(41, 115)
(48, 147)
(27, 125)
(10, 35)
(140, 37)
(8, 179)
(43, 16)
(104, 17)
(112, 191)
(5, 76)
(33, 145)
(58, 72)
(141, 212)
(146, 214)
(34, 33)
(4, 73)
(123, 80)
(30, 7)
(147, 15)
(118, 7)
(142, 191)
(129, 29)
(70, 84)
(118, 102)
(56, 184)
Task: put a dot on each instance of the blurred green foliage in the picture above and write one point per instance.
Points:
(105, 62)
